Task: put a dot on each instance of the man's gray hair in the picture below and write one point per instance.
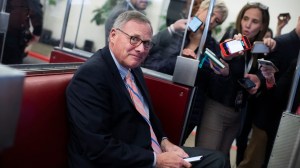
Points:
(125, 17)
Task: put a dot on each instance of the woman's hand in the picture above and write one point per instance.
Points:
(268, 72)
(271, 43)
(218, 70)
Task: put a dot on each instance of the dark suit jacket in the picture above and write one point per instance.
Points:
(106, 129)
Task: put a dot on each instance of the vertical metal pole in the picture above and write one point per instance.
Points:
(3, 5)
(4, 19)
(76, 36)
(65, 23)
(294, 86)
(203, 39)
(186, 27)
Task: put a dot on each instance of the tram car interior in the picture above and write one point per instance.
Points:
(33, 112)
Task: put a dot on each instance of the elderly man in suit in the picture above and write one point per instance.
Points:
(111, 117)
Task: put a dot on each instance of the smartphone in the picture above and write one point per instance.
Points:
(246, 83)
(267, 62)
(283, 16)
(195, 24)
(259, 47)
(234, 46)
(214, 58)
(193, 159)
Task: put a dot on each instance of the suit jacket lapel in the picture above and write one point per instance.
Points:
(113, 69)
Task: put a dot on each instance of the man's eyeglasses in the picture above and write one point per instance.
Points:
(258, 4)
(136, 41)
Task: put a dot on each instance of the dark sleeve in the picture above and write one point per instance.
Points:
(161, 56)
(284, 85)
(36, 16)
(288, 40)
(161, 39)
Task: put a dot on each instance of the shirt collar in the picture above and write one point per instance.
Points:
(122, 70)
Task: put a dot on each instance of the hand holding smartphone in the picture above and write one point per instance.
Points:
(267, 62)
(195, 24)
(210, 55)
(193, 159)
(246, 83)
(232, 47)
(284, 16)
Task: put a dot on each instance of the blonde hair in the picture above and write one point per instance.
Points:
(219, 4)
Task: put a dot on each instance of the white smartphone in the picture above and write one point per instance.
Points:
(259, 47)
(195, 24)
(267, 62)
(193, 159)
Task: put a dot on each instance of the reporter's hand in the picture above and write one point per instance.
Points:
(268, 72)
(271, 43)
(189, 53)
(254, 79)
(281, 23)
(298, 27)
(220, 71)
(235, 37)
(180, 25)
(171, 160)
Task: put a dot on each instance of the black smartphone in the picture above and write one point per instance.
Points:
(283, 16)
(195, 24)
(246, 83)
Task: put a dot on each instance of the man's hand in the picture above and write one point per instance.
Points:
(172, 156)
(171, 160)
(168, 146)
(254, 79)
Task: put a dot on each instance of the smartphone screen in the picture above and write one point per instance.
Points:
(195, 24)
(260, 47)
(234, 46)
(246, 83)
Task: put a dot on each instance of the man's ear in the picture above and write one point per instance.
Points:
(112, 34)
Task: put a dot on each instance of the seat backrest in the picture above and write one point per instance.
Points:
(58, 56)
(170, 103)
(42, 132)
